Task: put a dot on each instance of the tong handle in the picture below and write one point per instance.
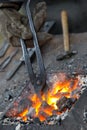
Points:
(27, 61)
(37, 50)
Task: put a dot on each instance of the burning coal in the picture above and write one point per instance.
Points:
(61, 94)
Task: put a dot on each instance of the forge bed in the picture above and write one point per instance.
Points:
(77, 63)
(74, 120)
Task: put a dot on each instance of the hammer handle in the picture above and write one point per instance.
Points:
(64, 20)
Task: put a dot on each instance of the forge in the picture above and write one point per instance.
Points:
(60, 93)
(62, 104)
(62, 101)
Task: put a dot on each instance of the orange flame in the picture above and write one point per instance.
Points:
(45, 106)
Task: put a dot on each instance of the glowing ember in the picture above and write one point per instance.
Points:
(60, 86)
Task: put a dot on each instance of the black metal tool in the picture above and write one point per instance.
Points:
(7, 60)
(40, 80)
(19, 63)
(4, 49)
(48, 26)
(36, 81)
(66, 55)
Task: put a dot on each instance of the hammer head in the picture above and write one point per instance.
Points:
(66, 55)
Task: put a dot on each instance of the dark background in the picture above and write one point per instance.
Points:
(77, 13)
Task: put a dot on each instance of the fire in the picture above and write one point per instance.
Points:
(36, 103)
(23, 115)
(43, 107)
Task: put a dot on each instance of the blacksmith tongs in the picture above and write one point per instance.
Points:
(40, 80)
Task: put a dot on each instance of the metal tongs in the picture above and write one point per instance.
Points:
(37, 81)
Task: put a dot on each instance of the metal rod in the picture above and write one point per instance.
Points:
(36, 45)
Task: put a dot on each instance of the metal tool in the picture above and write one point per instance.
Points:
(48, 25)
(7, 60)
(40, 80)
(19, 63)
(4, 48)
(67, 52)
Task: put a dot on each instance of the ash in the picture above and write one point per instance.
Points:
(83, 82)
(52, 120)
(57, 119)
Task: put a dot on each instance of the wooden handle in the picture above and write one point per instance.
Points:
(64, 20)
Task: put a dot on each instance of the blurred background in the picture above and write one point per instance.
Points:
(77, 13)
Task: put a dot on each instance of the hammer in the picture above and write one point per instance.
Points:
(67, 52)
